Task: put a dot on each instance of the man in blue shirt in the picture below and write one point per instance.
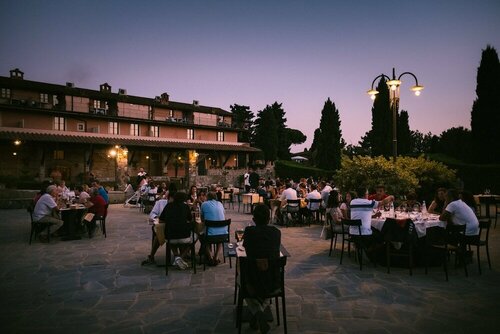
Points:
(101, 190)
(212, 209)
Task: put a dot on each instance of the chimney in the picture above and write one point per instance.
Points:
(17, 74)
(196, 103)
(122, 91)
(105, 88)
(70, 84)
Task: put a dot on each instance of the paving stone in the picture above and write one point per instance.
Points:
(98, 286)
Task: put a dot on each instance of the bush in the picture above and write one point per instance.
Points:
(408, 174)
(290, 169)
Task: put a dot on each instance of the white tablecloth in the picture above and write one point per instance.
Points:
(421, 223)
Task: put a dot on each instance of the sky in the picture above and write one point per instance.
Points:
(254, 53)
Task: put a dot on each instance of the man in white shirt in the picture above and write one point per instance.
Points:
(246, 181)
(314, 194)
(46, 211)
(324, 189)
(459, 213)
(362, 208)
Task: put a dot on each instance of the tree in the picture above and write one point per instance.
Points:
(455, 142)
(423, 143)
(329, 141)
(378, 141)
(485, 115)
(404, 133)
(266, 134)
(242, 120)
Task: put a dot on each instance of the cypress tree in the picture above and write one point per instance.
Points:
(380, 136)
(242, 120)
(266, 134)
(329, 141)
(404, 133)
(485, 115)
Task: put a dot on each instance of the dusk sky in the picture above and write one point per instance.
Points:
(258, 52)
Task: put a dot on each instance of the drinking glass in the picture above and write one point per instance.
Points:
(239, 235)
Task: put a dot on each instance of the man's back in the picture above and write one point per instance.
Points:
(262, 241)
(213, 210)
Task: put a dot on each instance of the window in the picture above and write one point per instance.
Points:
(170, 113)
(220, 136)
(154, 131)
(97, 104)
(113, 128)
(6, 93)
(58, 155)
(134, 129)
(190, 134)
(59, 123)
(44, 98)
(80, 127)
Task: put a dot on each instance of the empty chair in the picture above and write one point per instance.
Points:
(480, 240)
(444, 241)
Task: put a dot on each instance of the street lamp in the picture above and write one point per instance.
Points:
(394, 85)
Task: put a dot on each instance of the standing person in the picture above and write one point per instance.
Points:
(212, 209)
(324, 189)
(141, 175)
(459, 213)
(260, 242)
(47, 212)
(254, 179)
(246, 180)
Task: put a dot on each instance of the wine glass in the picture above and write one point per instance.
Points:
(239, 235)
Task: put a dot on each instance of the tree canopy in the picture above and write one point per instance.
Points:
(485, 115)
(242, 119)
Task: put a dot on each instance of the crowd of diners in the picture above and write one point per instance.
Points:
(55, 195)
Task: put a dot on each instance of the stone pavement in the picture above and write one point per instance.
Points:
(99, 286)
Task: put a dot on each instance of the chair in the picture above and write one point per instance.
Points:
(497, 209)
(168, 248)
(269, 276)
(227, 197)
(214, 240)
(479, 242)
(292, 208)
(335, 233)
(357, 239)
(451, 239)
(102, 223)
(36, 227)
(315, 212)
(402, 232)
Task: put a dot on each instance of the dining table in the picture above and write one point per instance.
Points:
(72, 217)
(487, 203)
(422, 221)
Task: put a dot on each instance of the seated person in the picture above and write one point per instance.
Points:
(192, 196)
(47, 212)
(345, 207)
(176, 218)
(159, 230)
(468, 198)
(411, 201)
(260, 242)
(333, 210)
(379, 194)
(437, 205)
(361, 208)
(459, 213)
(213, 210)
(157, 209)
(96, 205)
(82, 195)
(288, 194)
(314, 194)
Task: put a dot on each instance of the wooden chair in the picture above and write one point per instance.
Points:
(262, 278)
(335, 233)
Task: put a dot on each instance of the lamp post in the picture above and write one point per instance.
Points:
(394, 85)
